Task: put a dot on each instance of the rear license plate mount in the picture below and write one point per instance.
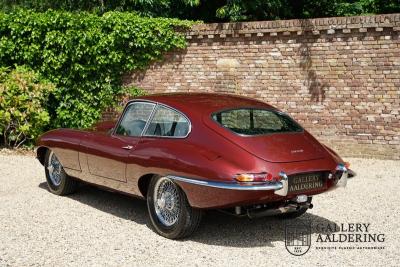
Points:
(306, 182)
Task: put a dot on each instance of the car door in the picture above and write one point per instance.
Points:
(108, 153)
(162, 140)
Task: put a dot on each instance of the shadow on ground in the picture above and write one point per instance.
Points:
(216, 228)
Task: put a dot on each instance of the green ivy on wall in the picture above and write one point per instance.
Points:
(85, 55)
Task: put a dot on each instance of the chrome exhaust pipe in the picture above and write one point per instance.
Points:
(292, 207)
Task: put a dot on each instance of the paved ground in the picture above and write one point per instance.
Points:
(94, 227)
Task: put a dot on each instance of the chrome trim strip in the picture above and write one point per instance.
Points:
(227, 185)
(149, 119)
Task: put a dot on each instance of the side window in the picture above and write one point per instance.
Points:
(168, 122)
(135, 119)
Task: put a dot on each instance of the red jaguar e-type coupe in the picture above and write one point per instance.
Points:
(185, 153)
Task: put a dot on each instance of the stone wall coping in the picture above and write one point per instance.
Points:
(344, 24)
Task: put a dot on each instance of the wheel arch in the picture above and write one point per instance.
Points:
(41, 154)
(144, 182)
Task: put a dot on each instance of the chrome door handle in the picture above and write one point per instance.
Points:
(127, 147)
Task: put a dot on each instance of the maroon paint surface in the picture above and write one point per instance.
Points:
(209, 152)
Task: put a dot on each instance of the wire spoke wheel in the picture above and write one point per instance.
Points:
(170, 212)
(58, 181)
(55, 169)
(167, 202)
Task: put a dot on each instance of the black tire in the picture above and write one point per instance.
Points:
(295, 214)
(66, 185)
(187, 221)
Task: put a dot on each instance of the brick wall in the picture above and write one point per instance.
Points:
(339, 77)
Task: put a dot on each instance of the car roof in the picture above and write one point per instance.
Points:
(204, 102)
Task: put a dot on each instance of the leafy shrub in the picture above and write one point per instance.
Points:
(23, 98)
(127, 93)
(216, 11)
(85, 55)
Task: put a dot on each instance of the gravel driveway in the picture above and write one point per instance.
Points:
(95, 227)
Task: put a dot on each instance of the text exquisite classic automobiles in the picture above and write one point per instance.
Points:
(186, 153)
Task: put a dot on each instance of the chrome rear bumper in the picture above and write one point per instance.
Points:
(342, 180)
(230, 186)
(280, 188)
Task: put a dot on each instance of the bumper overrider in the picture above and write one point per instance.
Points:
(280, 188)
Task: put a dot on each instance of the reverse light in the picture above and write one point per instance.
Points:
(301, 198)
(255, 177)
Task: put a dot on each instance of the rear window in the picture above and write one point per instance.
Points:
(248, 121)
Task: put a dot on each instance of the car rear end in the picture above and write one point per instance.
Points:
(292, 165)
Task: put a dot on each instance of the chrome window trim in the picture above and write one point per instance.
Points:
(149, 119)
(260, 108)
(171, 137)
(114, 133)
(156, 104)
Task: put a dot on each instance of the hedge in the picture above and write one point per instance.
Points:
(85, 55)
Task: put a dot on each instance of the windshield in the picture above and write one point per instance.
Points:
(251, 121)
